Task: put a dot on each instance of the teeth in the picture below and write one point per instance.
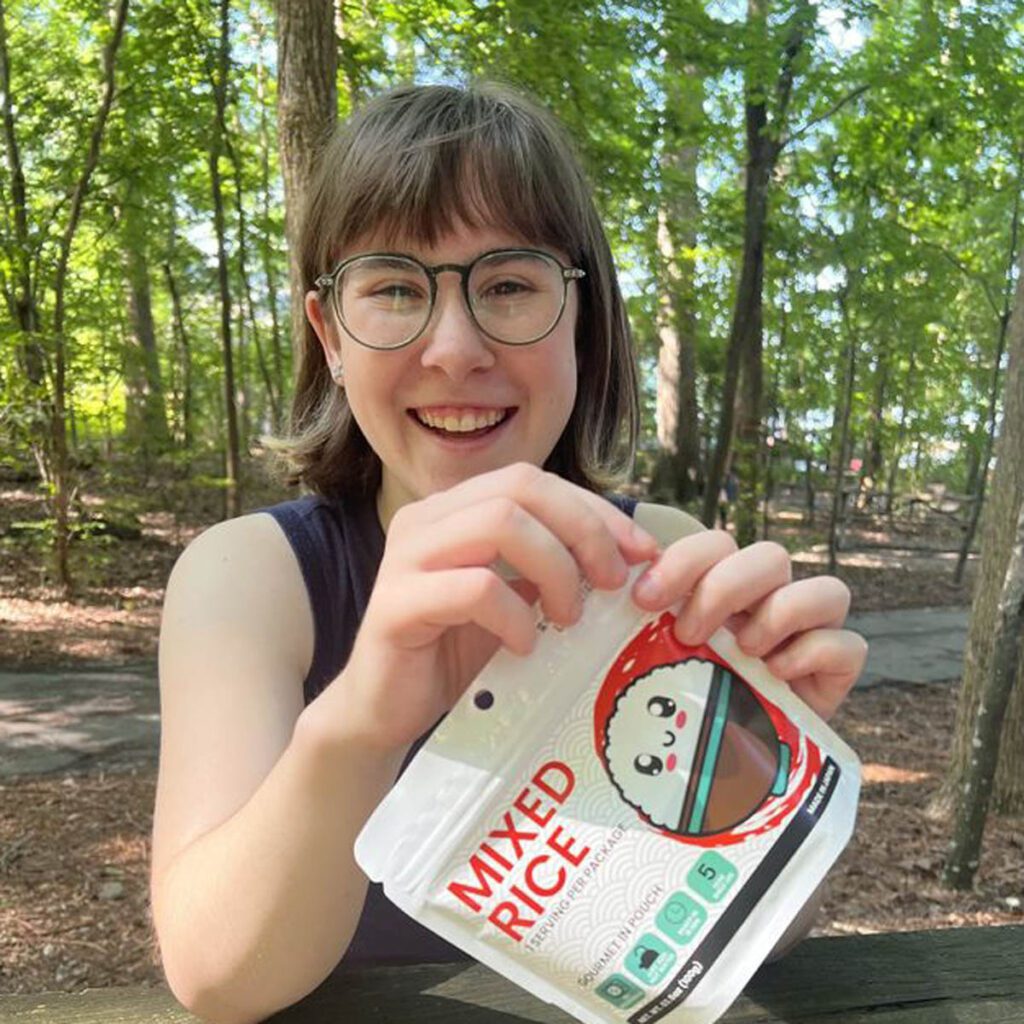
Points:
(464, 422)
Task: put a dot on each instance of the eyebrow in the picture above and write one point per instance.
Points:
(392, 261)
(509, 255)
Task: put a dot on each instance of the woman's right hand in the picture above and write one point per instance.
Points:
(439, 609)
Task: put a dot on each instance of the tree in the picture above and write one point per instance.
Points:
(677, 470)
(983, 660)
(218, 133)
(976, 792)
(307, 104)
(764, 141)
(53, 446)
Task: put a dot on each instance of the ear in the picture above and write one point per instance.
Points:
(324, 330)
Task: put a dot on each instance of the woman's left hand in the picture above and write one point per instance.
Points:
(796, 628)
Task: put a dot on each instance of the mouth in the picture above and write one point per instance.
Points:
(462, 424)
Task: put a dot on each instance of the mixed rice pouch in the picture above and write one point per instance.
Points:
(619, 823)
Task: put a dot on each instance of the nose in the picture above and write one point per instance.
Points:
(453, 342)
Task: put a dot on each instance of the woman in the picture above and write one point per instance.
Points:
(466, 382)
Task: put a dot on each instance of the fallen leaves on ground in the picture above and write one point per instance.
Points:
(74, 853)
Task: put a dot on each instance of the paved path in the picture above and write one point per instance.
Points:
(77, 720)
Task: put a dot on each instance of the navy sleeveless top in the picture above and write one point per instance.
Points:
(339, 545)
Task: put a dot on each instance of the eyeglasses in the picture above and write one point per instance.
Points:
(385, 300)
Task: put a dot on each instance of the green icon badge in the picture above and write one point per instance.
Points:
(681, 918)
(620, 991)
(650, 959)
(712, 876)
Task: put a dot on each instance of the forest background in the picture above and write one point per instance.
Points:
(814, 208)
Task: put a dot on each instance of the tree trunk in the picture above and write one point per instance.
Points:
(1004, 320)
(145, 415)
(185, 351)
(677, 469)
(266, 243)
(973, 441)
(746, 317)
(762, 148)
(57, 454)
(809, 482)
(998, 524)
(23, 296)
(771, 441)
(749, 440)
(976, 791)
(307, 102)
(873, 463)
(901, 433)
(233, 503)
(250, 306)
(842, 432)
(986, 455)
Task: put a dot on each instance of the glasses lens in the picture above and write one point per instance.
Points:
(516, 297)
(383, 301)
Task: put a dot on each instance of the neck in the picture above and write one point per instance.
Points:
(390, 498)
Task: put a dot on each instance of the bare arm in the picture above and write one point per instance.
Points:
(255, 891)
(254, 888)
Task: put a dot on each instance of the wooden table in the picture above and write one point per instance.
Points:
(964, 975)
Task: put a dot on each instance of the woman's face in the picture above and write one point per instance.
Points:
(452, 376)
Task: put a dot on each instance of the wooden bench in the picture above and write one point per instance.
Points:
(960, 976)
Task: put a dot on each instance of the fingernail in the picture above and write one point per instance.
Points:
(648, 587)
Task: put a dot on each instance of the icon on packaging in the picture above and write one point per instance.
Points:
(650, 959)
(712, 876)
(620, 991)
(681, 918)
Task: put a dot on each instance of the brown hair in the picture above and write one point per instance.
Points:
(411, 163)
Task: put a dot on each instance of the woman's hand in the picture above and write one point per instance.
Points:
(796, 628)
(439, 608)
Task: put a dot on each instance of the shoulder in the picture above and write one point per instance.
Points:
(240, 579)
(235, 642)
(665, 522)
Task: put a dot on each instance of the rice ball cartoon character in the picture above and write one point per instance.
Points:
(689, 744)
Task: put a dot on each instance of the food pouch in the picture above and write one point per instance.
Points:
(622, 824)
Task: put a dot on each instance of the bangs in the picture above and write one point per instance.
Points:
(413, 165)
(477, 163)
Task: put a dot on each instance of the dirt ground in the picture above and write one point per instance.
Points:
(114, 616)
(73, 855)
(74, 849)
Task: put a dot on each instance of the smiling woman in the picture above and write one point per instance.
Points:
(466, 397)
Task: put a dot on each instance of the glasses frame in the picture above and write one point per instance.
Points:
(330, 280)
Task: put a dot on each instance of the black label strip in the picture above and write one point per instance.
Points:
(689, 976)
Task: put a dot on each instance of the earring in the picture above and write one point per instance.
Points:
(338, 373)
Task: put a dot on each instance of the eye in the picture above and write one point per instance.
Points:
(396, 290)
(661, 707)
(504, 289)
(647, 764)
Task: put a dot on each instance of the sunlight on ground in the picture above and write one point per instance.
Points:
(890, 773)
(889, 558)
(120, 849)
(18, 497)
